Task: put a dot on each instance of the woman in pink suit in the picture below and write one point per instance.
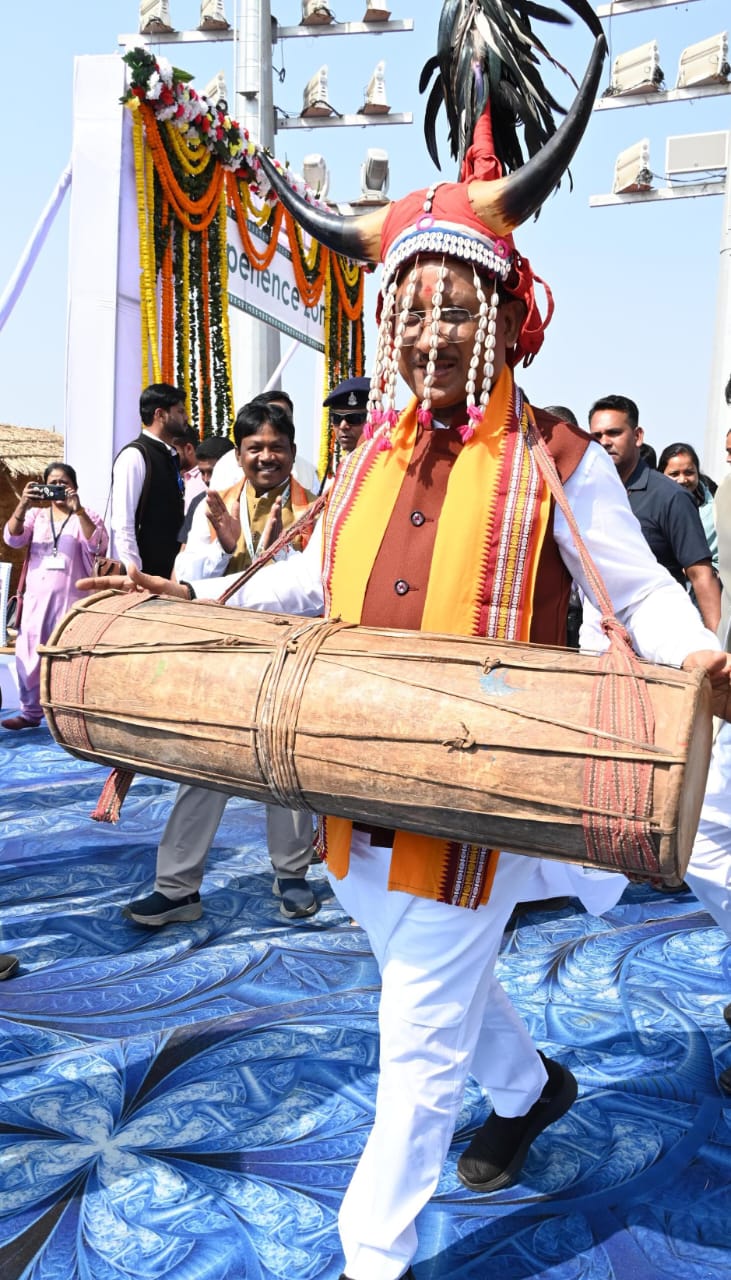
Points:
(63, 538)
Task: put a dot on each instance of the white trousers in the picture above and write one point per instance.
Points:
(190, 830)
(442, 1014)
(709, 870)
(709, 873)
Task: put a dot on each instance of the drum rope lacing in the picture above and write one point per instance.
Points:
(620, 834)
(278, 708)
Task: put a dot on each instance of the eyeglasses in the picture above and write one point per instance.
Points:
(356, 419)
(453, 324)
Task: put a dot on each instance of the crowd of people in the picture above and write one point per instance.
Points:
(182, 522)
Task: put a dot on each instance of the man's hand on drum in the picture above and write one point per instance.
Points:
(717, 666)
(136, 580)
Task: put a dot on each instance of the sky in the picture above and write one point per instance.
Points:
(635, 286)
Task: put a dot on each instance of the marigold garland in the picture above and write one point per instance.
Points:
(193, 156)
(310, 290)
(192, 163)
(150, 266)
(185, 326)
(258, 259)
(186, 209)
(167, 323)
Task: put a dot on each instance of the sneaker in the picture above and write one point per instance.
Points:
(19, 722)
(497, 1152)
(157, 909)
(727, 1014)
(298, 900)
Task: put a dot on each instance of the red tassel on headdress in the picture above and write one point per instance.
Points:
(532, 330)
(110, 801)
(480, 161)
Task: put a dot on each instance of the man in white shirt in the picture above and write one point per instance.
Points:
(147, 487)
(246, 518)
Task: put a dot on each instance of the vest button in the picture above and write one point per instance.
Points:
(401, 588)
(418, 519)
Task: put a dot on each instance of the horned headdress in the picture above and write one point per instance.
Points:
(487, 76)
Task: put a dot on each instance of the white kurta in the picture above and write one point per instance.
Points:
(442, 1012)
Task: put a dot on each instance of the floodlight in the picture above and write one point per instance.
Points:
(374, 176)
(213, 17)
(696, 153)
(638, 71)
(316, 174)
(155, 17)
(632, 169)
(315, 14)
(376, 102)
(376, 12)
(705, 62)
(314, 98)
(216, 92)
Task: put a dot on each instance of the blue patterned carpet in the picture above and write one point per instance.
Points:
(188, 1103)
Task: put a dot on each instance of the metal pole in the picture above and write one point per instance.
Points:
(256, 348)
(719, 414)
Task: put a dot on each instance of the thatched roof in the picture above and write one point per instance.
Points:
(27, 451)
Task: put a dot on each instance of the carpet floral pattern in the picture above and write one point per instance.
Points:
(188, 1103)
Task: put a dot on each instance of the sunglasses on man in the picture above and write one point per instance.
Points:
(354, 418)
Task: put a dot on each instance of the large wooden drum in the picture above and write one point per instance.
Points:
(491, 743)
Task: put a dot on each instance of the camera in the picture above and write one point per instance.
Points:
(53, 492)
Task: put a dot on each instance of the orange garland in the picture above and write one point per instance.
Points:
(310, 293)
(167, 302)
(353, 313)
(258, 260)
(203, 210)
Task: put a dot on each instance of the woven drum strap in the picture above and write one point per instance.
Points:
(278, 708)
(621, 835)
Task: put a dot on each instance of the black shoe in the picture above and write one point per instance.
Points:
(297, 898)
(724, 1081)
(8, 965)
(157, 910)
(727, 1014)
(497, 1152)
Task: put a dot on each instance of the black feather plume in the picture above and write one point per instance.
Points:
(487, 50)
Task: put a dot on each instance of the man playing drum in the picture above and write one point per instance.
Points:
(441, 521)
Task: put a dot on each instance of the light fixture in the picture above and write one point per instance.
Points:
(315, 14)
(376, 12)
(374, 176)
(216, 91)
(632, 169)
(705, 62)
(376, 102)
(155, 17)
(696, 153)
(637, 71)
(317, 175)
(314, 98)
(213, 17)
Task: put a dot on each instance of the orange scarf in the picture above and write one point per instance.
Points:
(492, 524)
(297, 503)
